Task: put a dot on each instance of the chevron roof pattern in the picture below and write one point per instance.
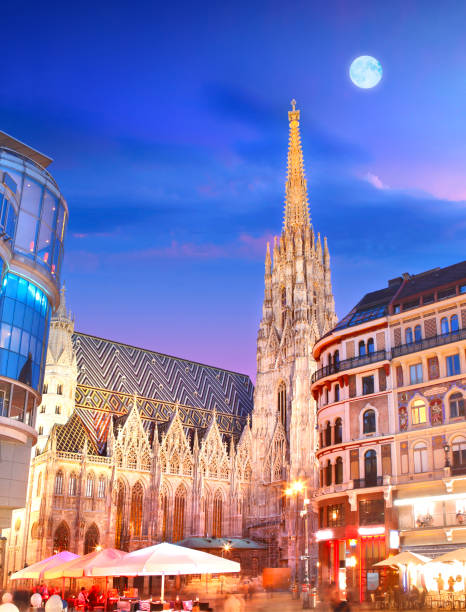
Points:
(109, 373)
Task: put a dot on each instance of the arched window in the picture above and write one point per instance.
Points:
(59, 389)
(164, 509)
(39, 485)
(132, 460)
(217, 515)
(136, 509)
(120, 535)
(444, 325)
(456, 405)
(72, 485)
(90, 485)
(338, 431)
(58, 490)
(45, 388)
(454, 327)
(205, 506)
(145, 462)
(370, 345)
(417, 333)
(362, 348)
(337, 392)
(91, 539)
(40, 431)
(409, 335)
(336, 359)
(328, 473)
(328, 434)
(61, 538)
(418, 412)
(370, 468)
(101, 488)
(281, 403)
(420, 457)
(178, 516)
(368, 422)
(459, 451)
(339, 470)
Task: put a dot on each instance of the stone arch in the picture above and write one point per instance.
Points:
(217, 514)
(137, 497)
(61, 537)
(120, 526)
(91, 539)
(179, 513)
(164, 500)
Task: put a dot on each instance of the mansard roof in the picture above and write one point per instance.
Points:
(110, 372)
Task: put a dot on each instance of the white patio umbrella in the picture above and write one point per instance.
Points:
(454, 556)
(404, 558)
(167, 560)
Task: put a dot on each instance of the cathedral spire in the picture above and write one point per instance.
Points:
(296, 203)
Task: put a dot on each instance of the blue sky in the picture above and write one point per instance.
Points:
(168, 127)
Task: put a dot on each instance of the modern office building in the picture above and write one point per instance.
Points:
(391, 388)
(33, 217)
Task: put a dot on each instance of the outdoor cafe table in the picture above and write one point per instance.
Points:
(446, 600)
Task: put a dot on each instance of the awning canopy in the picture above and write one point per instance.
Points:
(166, 560)
(403, 558)
(82, 566)
(458, 555)
(36, 570)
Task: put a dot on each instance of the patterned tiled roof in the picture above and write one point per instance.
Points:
(109, 373)
(72, 436)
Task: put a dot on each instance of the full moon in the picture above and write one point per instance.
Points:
(365, 71)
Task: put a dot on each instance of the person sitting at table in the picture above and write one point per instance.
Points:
(82, 597)
(93, 596)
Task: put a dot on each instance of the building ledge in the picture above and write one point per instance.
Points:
(16, 431)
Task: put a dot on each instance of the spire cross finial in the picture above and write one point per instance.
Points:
(293, 104)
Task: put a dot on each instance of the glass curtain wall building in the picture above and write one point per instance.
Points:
(33, 218)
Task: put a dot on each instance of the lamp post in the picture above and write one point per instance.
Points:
(294, 489)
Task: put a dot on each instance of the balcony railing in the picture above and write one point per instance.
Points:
(365, 483)
(426, 343)
(458, 470)
(349, 364)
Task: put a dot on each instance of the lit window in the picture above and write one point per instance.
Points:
(454, 326)
(444, 325)
(418, 412)
(368, 422)
(415, 373)
(420, 457)
(409, 335)
(417, 333)
(456, 405)
(453, 365)
(367, 385)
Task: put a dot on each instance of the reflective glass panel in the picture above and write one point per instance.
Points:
(26, 232)
(49, 209)
(32, 196)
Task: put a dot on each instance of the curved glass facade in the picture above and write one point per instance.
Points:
(41, 212)
(25, 318)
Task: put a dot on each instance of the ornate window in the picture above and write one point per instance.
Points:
(336, 359)
(454, 327)
(132, 460)
(164, 510)
(417, 333)
(456, 405)
(90, 485)
(370, 345)
(72, 485)
(362, 348)
(338, 431)
(418, 412)
(120, 539)
(101, 488)
(459, 451)
(339, 470)
(281, 399)
(91, 539)
(409, 335)
(217, 515)
(420, 457)
(368, 422)
(58, 490)
(370, 467)
(118, 458)
(61, 538)
(178, 516)
(136, 509)
(39, 485)
(145, 463)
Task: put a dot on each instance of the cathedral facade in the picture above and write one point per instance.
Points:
(136, 447)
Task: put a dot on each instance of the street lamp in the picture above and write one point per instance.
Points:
(294, 489)
(226, 548)
(446, 448)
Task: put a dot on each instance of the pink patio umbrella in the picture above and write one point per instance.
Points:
(167, 560)
(82, 566)
(36, 571)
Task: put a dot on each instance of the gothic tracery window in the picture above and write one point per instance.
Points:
(58, 490)
(178, 515)
(281, 403)
(164, 511)
(217, 515)
(91, 539)
(101, 488)
(132, 460)
(90, 485)
(72, 485)
(119, 525)
(61, 538)
(136, 509)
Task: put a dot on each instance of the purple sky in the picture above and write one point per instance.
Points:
(168, 126)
